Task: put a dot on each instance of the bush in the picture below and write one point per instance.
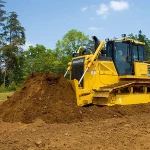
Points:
(3, 89)
(12, 87)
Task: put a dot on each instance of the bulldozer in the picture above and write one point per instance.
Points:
(114, 73)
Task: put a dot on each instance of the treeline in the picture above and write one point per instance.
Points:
(16, 64)
(12, 37)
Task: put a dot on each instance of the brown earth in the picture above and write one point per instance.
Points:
(44, 96)
(43, 115)
(125, 133)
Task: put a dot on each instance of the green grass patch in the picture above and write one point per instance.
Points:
(4, 95)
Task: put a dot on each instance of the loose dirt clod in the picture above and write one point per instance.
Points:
(52, 99)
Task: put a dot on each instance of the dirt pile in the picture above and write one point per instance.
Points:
(52, 99)
(44, 96)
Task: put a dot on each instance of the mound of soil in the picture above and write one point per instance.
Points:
(44, 96)
(52, 99)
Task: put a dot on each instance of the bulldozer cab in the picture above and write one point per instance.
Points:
(124, 53)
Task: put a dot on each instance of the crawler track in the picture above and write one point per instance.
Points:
(108, 94)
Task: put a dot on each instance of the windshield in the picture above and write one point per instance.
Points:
(122, 50)
(120, 59)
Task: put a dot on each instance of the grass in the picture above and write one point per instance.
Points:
(3, 96)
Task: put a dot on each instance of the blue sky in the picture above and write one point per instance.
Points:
(47, 21)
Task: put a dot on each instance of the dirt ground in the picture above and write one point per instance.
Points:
(128, 132)
(43, 115)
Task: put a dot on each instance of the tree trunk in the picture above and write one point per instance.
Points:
(5, 78)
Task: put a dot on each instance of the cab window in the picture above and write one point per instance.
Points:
(109, 51)
(138, 52)
(141, 52)
(135, 52)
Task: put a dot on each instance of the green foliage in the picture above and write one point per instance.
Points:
(12, 86)
(2, 13)
(2, 20)
(11, 51)
(2, 88)
(142, 38)
(3, 17)
(14, 33)
(71, 42)
(40, 59)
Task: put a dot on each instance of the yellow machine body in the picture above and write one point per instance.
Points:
(101, 84)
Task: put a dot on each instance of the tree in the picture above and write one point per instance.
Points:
(2, 20)
(14, 36)
(71, 42)
(2, 13)
(142, 38)
(40, 59)
(14, 33)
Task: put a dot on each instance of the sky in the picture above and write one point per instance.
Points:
(47, 21)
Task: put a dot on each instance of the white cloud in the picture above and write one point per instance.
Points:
(84, 9)
(103, 9)
(119, 5)
(26, 46)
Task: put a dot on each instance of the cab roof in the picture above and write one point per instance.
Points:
(128, 40)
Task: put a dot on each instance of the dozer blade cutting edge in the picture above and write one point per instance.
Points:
(84, 97)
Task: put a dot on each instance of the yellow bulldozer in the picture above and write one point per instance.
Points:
(118, 74)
